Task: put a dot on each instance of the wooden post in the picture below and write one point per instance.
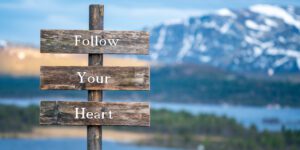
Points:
(62, 78)
(94, 133)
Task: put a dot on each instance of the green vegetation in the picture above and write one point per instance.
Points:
(193, 83)
(183, 83)
(178, 129)
(217, 133)
(16, 119)
(29, 87)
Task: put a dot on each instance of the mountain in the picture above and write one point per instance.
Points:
(3, 44)
(261, 38)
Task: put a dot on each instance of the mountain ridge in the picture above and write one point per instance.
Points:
(261, 38)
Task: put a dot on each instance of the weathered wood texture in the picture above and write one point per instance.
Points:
(64, 113)
(67, 78)
(96, 22)
(63, 41)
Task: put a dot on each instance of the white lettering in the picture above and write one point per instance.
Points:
(110, 115)
(89, 115)
(113, 42)
(85, 42)
(102, 42)
(94, 40)
(76, 39)
(106, 79)
(81, 113)
(93, 79)
(101, 79)
(81, 76)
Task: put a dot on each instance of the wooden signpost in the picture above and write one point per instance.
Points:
(94, 78)
(94, 113)
(94, 41)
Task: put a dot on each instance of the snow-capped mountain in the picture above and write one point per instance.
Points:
(3, 44)
(262, 38)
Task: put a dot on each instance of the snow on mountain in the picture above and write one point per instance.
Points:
(226, 12)
(277, 12)
(262, 38)
(252, 25)
(3, 44)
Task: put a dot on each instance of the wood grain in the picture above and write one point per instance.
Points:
(63, 41)
(96, 22)
(122, 78)
(126, 114)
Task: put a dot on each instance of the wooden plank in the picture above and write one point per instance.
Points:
(94, 78)
(85, 41)
(94, 113)
(96, 22)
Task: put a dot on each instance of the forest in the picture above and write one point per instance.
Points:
(183, 84)
(177, 129)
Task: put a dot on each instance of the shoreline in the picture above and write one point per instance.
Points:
(78, 132)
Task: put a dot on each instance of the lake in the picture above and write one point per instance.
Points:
(262, 117)
(271, 119)
(64, 144)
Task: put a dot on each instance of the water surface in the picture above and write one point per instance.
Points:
(65, 144)
(262, 117)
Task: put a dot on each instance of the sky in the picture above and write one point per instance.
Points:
(22, 20)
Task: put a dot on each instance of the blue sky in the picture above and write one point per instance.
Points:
(21, 20)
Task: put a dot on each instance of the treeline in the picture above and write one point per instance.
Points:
(217, 133)
(29, 87)
(18, 119)
(181, 83)
(177, 129)
(194, 83)
(182, 129)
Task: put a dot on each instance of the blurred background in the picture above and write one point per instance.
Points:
(225, 74)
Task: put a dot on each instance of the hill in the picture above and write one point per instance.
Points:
(180, 83)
